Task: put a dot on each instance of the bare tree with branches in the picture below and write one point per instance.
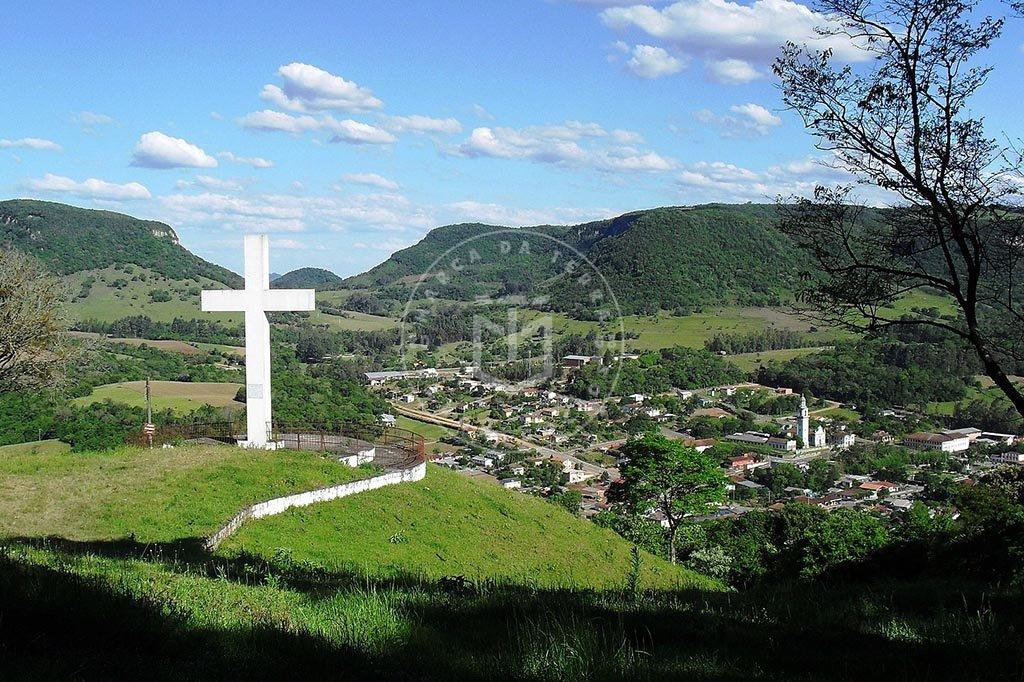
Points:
(33, 348)
(903, 123)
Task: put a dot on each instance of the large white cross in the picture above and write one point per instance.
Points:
(255, 301)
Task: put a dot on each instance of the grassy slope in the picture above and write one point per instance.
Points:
(448, 524)
(158, 495)
(36, 447)
(107, 303)
(181, 396)
(353, 321)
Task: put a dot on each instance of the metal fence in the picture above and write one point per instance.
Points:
(402, 443)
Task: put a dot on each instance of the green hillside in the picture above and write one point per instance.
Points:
(70, 239)
(667, 258)
(101, 578)
(449, 524)
(307, 278)
(154, 495)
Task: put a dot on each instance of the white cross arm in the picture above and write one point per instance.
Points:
(269, 300)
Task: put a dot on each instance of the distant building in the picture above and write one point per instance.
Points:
(749, 437)
(578, 360)
(387, 420)
(783, 391)
(482, 461)
(511, 484)
(819, 440)
(745, 463)
(803, 421)
(944, 442)
(785, 444)
(1004, 438)
(1008, 458)
(842, 439)
(970, 433)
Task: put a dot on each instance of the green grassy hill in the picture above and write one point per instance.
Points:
(98, 580)
(307, 278)
(70, 239)
(117, 291)
(447, 525)
(665, 258)
(181, 396)
(158, 495)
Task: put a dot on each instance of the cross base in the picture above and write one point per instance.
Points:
(269, 445)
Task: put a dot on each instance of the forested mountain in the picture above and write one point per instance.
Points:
(70, 239)
(307, 278)
(667, 258)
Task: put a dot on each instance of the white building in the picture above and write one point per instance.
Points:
(819, 439)
(803, 421)
(1008, 458)
(945, 442)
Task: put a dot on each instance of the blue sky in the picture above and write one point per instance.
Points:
(347, 130)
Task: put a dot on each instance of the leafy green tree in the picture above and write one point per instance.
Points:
(572, 500)
(676, 480)
(844, 535)
(32, 341)
(906, 123)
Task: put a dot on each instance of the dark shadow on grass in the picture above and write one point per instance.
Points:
(55, 622)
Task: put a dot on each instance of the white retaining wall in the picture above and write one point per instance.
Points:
(281, 504)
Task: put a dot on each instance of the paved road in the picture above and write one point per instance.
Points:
(557, 455)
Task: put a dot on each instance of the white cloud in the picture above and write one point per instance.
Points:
(356, 132)
(653, 62)
(720, 181)
(157, 150)
(573, 144)
(745, 120)
(210, 182)
(732, 71)
(307, 88)
(91, 188)
(253, 161)
(482, 113)
(353, 132)
(506, 216)
(371, 179)
(90, 120)
(291, 213)
(421, 124)
(30, 143)
(389, 245)
(269, 213)
(292, 244)
(268, 121)
(737, 40)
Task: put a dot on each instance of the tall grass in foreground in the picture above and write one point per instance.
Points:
(68, 611)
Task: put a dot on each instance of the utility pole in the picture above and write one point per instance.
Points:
(149, 429)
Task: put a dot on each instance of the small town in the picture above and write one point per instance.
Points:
(540, 441)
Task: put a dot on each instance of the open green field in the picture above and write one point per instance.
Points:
(751, 361)
(106, 302)
(36, 447)
(663, 331)
(986, 390)
(430, 432)
(449, 524)
(158, 495)
(171, 346)
(181, 396)
(353, 321)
